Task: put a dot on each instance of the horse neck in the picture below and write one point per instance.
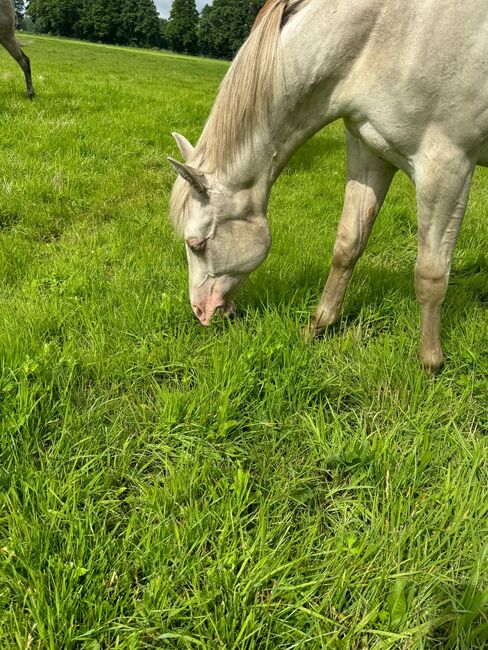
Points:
(322, 53)
(260, 158)
(313, 84)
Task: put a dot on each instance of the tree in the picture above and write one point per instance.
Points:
(140, 23)
(163, 41)
(225, 25)
(103, 20)
(133, 22)
(181, 28)
(19, 11)
(56, 16)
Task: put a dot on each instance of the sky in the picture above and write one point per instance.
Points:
(164, 6)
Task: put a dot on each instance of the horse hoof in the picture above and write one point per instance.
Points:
(432, 361)
(310, 333)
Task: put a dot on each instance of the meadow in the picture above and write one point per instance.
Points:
(166, 485)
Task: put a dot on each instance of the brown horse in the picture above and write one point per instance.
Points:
(10, 43)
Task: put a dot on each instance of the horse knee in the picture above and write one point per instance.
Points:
(431, 280)
(347, 249)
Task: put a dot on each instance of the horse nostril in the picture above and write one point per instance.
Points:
(198, 312)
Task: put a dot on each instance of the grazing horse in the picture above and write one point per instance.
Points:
(410, 81)
(10, 43)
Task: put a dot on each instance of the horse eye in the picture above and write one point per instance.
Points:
(196, 245)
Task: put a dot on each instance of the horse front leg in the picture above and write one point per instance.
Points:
(443, 176)
(368, 180)
(26, 68)
(12, 46)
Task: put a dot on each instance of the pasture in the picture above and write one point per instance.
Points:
(166, 485)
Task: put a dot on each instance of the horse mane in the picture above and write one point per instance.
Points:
(243, 100)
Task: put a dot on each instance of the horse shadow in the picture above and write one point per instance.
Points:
(371, 285)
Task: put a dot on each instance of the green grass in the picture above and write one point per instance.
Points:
(165, 485)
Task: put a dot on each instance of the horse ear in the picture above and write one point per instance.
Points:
(186, 148)
(195, 177)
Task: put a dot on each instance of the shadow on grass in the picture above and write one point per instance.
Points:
(370, 285)
(471, 280)
(367, 282)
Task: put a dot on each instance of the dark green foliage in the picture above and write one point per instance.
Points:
(181, 29)
(139, 22)
(127, 22)
(100, 21)
(225, 24)
(55, 16)
(163, 41)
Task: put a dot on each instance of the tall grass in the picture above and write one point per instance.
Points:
(165, 485)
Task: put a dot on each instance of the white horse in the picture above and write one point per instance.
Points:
(409, 79)
(10, 43)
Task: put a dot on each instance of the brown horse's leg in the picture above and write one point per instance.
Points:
(28, 77)
(443, 174)
(14, 49)
(368, 181)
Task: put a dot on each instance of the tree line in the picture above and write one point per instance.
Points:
(125, 22)
(218, 31)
